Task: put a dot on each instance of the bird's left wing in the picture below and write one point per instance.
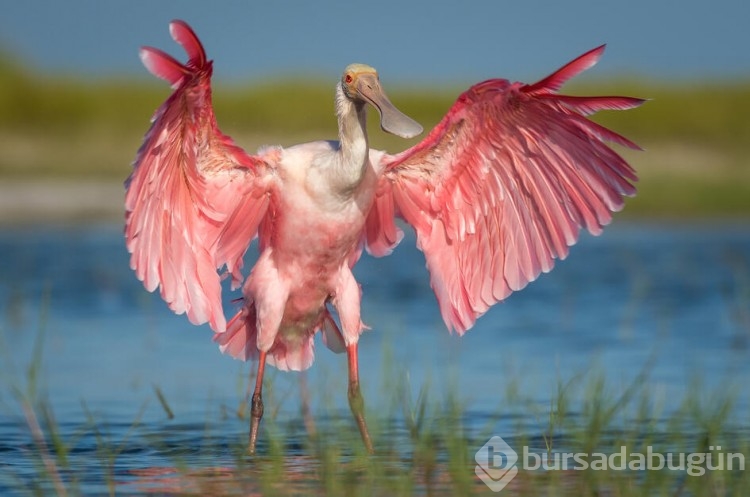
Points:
(501, 187)
(194, 199)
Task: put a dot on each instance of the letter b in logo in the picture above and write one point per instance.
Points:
(496, 463)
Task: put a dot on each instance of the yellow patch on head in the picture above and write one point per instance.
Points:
(358, 69)
(351, 73)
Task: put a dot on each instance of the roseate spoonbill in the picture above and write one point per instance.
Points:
(495, 192)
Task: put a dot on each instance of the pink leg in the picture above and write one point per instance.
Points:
(256, 411)
(356, 402)
(347, 303)
(266, 288)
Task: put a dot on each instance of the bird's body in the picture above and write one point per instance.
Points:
(309, 241)
(495, 192)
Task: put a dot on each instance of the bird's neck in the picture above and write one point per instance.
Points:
(354, 148)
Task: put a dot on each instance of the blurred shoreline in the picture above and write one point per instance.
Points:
(58, 202)
(68, 145)
(52, 201)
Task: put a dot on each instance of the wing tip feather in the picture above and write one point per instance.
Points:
(183, 34)
(162, 65)
(554, 81)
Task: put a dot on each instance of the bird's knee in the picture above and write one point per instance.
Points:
(356, 401)
(256, 408)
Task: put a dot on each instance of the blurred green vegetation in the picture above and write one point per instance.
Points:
(696, 134)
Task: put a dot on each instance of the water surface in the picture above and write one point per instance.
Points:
(672, 302)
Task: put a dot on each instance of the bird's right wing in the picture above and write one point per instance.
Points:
(194, 199)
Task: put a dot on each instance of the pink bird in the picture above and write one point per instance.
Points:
(496, 192)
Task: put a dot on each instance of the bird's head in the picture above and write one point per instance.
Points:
(360, 83)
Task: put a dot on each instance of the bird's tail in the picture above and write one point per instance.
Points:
(241, 337)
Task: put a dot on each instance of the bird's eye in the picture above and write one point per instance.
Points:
(348, 79)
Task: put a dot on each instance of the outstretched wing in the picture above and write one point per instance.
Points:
(501, 187)
(194, 199)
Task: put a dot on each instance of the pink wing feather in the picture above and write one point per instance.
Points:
(501, 187)
(194, 199)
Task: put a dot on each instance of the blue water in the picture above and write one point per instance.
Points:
(672, 302)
